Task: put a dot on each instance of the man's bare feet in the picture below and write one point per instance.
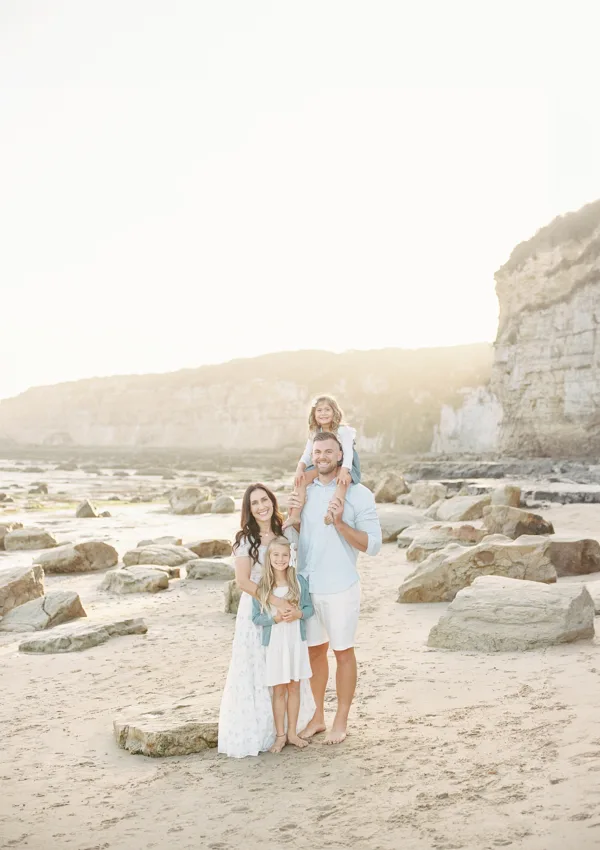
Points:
(313, 728)
(338, 732)
(296, 741)
(280, 742)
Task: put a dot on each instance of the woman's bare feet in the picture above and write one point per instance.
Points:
(280, 742)
(296, 741)
(338, 732)
(313, 728)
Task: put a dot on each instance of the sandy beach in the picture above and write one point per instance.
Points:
(446, 751)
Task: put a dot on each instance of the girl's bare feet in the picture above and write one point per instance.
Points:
(296, 741)
(280, 742)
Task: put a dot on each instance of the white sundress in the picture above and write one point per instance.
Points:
(287, 654)
(246, 725)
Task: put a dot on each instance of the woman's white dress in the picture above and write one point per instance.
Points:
(287, 654)
(246, 725)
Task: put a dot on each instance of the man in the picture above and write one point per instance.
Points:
(327, 556)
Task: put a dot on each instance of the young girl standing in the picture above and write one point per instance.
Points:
(284, 638)
(326, 415)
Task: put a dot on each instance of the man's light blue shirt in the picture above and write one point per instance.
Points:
(325, 559)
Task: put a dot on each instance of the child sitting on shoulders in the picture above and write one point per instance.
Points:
(284, 638)
(326, 415)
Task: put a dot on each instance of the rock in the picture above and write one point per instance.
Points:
(211, 548)
(19, 585)
(424, 495)
(498, 614)
(204, 508)
(71, 638)
(406, 537)
(172, 572)
(444, 573)
(439, 536)
(166, 555)
(594, 591)
(178, 729)
(86, 510)
(54, 608)
(232, 597)
(105, 514)
(223, 505)
(188, 500)
(139, 579)
(206, 569)
(514, 522)
(573, 557)
(390, 487)
(394, 519)
(5, 528)
(160, 541)
(79, 558)
(460, 508)
(28, 538)
(508, 494)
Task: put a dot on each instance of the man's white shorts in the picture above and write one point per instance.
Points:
(335, 618)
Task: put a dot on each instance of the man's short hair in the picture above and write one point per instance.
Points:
(321, 436)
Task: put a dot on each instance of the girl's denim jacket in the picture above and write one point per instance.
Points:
(265, 619)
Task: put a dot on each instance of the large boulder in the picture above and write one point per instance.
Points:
(393, 519)
(165, 555)
(444, 573)
(19, 585)
(514, 522)
(223, 505)
(179, 729)
(202, 568)
(438, 536)
(188, 500)
(142, 579)
(28, 538)
(54, 608)
(574, 557)
(86, 510)
(390, 487)
(459, 508)
(507, 494)
(406, 537)
(232, 595)
(160, 541)
(211, 548)
(79, 558)
(5, 527)
(499, 614)
(71, 638)
(424, 494)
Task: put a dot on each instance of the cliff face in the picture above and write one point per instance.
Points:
(392, 396)
(546, 372)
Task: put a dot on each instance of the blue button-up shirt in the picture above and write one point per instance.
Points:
(325, 559)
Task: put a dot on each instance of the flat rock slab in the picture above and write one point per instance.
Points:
(438, 536)
(50, 610)
(459, 508)
(395, 518)
(28, 538)
(137, 579)
(20, 585)
(514, 522)
(497, 614)
(160, 541)
(178, 729)
(79, 558)
(209, 569)
(71, 638)
(165, 555)
(211, 548)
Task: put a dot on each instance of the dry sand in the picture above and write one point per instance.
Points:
(446, 750)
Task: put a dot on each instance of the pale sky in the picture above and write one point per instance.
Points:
(188, 181)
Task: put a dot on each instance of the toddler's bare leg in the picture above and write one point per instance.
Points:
(340, 493)
(294, 514)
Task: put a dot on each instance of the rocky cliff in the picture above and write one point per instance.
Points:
(393, 396)
(546, 372)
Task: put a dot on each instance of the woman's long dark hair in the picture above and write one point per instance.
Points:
(250, 530)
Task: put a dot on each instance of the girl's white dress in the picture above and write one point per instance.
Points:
(287, 654)
(246, 725)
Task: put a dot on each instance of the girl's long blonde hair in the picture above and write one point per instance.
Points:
(338, 414)
(267, 578)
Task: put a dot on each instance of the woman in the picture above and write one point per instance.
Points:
(246, 725)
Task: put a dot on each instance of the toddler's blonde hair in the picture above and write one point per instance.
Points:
(338, 414)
